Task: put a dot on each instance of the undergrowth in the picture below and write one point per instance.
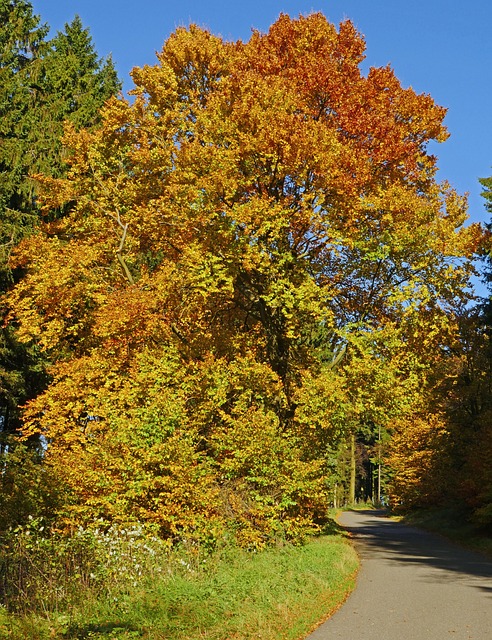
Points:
(123, 584)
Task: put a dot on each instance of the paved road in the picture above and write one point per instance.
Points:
(412, 585)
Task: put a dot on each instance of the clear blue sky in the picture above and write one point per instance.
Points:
(440, 47)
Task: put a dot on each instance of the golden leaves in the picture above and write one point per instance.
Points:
(259, 210)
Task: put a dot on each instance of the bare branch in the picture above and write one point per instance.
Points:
(119, 253)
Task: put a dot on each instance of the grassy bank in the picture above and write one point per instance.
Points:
(280, 593)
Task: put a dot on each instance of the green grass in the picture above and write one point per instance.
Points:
(275, 594)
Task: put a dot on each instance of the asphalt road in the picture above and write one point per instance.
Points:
(412, 585)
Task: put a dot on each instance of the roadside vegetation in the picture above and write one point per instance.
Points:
(123, 584)
(228, 304)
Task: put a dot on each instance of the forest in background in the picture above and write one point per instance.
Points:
(235, 299)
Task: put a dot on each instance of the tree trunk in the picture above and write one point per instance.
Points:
(352, 469)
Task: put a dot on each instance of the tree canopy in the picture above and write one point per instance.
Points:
(255, 262)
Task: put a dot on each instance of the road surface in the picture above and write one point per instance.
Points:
(412, 585)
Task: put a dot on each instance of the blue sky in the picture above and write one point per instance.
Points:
(440, 47)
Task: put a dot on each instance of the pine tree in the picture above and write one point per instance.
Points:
(78, 81)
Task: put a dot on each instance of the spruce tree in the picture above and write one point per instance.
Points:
(78, 82)
(22, 40)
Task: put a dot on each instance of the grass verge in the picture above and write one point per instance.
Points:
(276, 594)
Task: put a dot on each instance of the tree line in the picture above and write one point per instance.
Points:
(237, 298)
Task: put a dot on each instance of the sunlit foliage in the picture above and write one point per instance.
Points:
(257, 262)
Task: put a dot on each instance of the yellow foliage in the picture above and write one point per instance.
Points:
(416, 458)
(260, 209)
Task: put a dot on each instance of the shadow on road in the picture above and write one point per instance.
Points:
(376, 535)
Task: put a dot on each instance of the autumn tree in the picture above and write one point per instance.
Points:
(470, 413)
(465, 399)
(472, 400)
(256, 252)
(487, 195)
(440, 455)
(458, 471)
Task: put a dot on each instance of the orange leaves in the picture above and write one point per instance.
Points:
(309, 54)
(260, 208)
(159, 85)
(383, 127)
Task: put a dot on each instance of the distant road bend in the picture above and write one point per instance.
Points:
(412, 585)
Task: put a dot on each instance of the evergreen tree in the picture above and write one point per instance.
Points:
(78, 82)
(22, 40)
(42, 84)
